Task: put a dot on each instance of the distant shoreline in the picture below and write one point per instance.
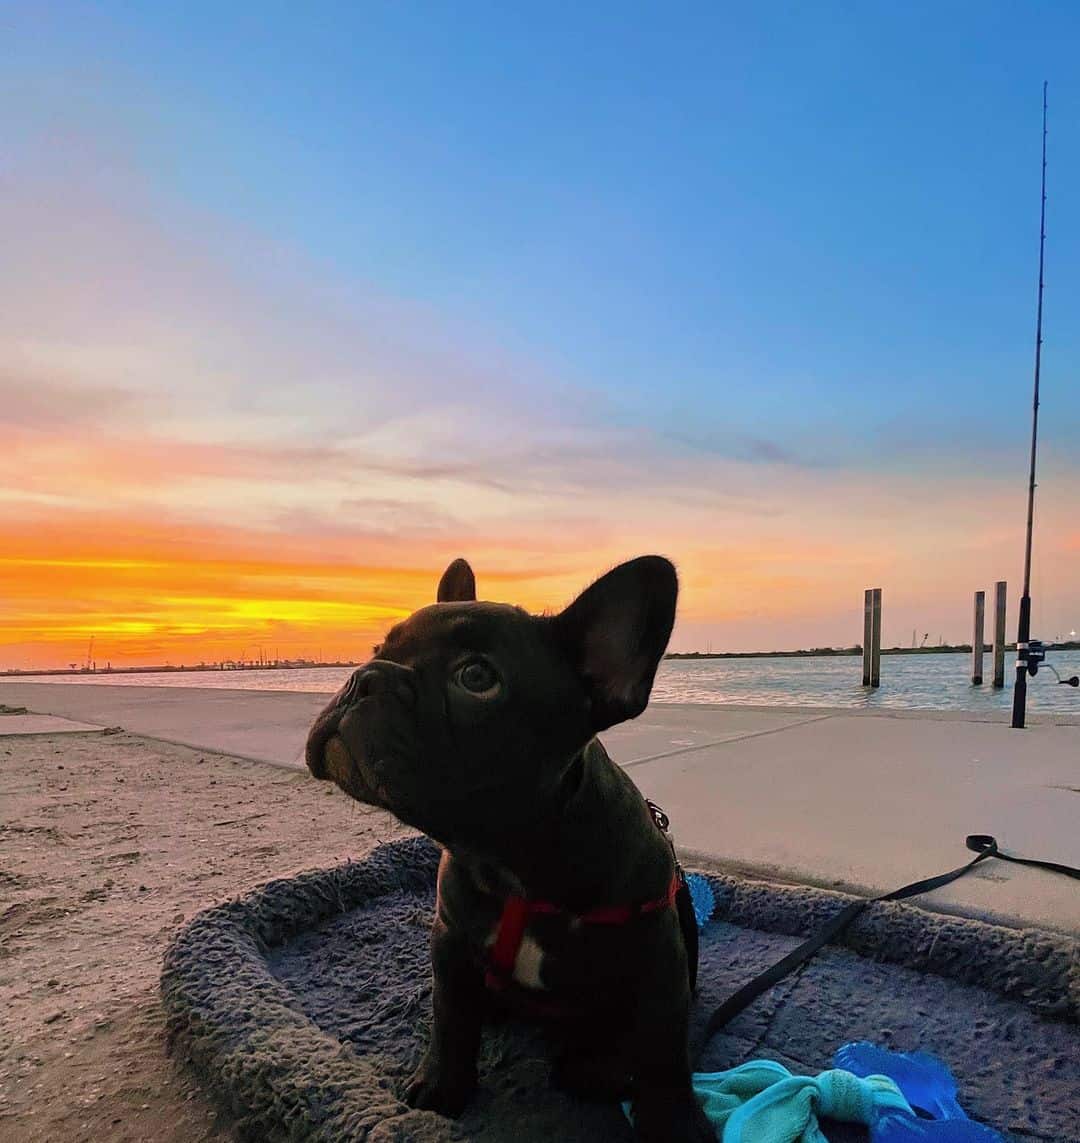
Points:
(169, 670)
(825, 652)
(812, 653)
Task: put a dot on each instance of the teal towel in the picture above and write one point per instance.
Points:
(762, 1102)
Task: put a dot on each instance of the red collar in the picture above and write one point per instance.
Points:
(517, 911)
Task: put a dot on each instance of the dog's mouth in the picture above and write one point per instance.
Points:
(330, 758)
(337, 763)
(321, 758)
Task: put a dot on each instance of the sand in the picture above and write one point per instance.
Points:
(107, 844)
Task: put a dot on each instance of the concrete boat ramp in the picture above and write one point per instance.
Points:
(839, 798)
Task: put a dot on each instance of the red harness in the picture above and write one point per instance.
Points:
(517, 911)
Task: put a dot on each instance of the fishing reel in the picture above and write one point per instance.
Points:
(1033, 653)
(1030, 655)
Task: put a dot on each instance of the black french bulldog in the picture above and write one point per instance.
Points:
(476, 722)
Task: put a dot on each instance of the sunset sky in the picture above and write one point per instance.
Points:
(298, 303)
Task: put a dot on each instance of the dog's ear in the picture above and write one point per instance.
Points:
(458, 584)
(615, 633)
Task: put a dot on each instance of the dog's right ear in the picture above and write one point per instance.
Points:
(458, 584)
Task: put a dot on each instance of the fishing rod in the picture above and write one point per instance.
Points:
(1028, 657)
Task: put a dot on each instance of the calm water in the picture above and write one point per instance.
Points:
(927, 682)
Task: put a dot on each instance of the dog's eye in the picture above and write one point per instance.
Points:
(478, 678)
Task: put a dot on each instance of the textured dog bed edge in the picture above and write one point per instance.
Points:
(1040, 969)
(221, 1039)
(226, 1011)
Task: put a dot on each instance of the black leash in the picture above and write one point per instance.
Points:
(982, 844)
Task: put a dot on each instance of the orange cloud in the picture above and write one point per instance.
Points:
(153, 591)
(156, 590)
(169, 588)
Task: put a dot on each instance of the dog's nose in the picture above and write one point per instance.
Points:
(365, 682)
(379, 677)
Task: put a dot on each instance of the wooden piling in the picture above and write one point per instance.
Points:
(875, 659)
(999, 632)
(977, 640)
(867, 634)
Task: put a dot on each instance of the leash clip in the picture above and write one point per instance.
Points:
(663, 822)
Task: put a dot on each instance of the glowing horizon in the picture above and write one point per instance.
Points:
(230, 594)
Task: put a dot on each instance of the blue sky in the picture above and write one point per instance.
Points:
(841, 195)
(788, 238)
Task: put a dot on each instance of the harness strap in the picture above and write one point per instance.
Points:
(982, 844)
(515, 916)
(517, 911)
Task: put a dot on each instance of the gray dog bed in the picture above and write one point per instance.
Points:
(305, 1004)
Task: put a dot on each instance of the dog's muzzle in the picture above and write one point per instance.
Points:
(325, 752)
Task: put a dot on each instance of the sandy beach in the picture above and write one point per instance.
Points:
(107, 844)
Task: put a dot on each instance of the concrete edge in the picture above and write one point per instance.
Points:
(1001, 717)
(98, 730)
(729, 741)
(292, 767)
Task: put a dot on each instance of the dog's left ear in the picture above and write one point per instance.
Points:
(458, 584)
(615, 633)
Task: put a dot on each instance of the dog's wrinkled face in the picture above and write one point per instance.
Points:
(462, 701)
(471, 710)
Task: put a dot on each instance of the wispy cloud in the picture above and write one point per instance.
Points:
(732, 444)
(48, 404)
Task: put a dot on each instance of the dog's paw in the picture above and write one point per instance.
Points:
(430, 1089)
(667, 1121)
